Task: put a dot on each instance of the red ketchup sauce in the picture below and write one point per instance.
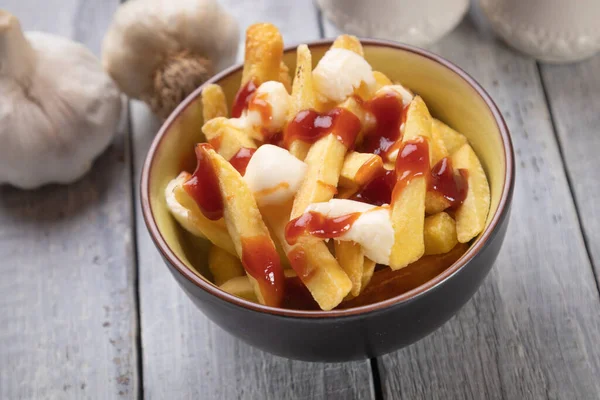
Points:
(377, 191)
(203, 185)
(261, 261)
(390, 114)
(412, 162)
(310, 126)
(318, 225)
(241, 159)
(259, 103)
(449, 183)
(297, 296)
(242, 97)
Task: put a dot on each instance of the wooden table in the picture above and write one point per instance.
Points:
(87, 310)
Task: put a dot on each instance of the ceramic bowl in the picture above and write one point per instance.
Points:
(365, 331)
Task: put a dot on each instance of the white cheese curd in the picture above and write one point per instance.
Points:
(278, 99)
(372, 230)
(339, 72)
(274, 175)
(178, 211)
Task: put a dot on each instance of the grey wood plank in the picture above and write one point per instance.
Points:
(184, 354)
(532, 329)
(573, 92)
(67, 303)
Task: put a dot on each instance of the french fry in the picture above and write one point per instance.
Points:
(472, 214)
(284, 76)
(435, 203)
(358, 169)
(214, 103)
(240, 286)
(408, 210)
(316, 267)
(408, 218)
(303, 95)
(264, 51)
(387, 283)
(438, 147)
(381, 80)
(351, 258)
(368, 271)
(439, 234)
(194, 221)
(324, 159)
(245, 225)
(348, 42)
(226, 138)
(223, 265)
(452, 139)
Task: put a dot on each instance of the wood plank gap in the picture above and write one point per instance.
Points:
(377, 388)
(568, 177)
(320, 22)
(134, 242)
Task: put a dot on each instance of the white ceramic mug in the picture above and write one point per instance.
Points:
(550, 30)
(417, 22)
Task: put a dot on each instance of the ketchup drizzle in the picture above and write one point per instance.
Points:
(318, 225)
(261, 261)
(310, 126)
(241, 159)
(412, 162)
(390, 114)
(242, 97)
(447, 182)
(203, 185)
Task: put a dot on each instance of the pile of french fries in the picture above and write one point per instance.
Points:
(332, 271)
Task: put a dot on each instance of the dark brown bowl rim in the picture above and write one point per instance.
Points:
(402, 298)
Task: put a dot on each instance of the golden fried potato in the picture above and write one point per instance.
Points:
(324, 159)
(351, 258)
(241, 287)
(303, 95)
(264, 51)
(214, 231)
(226, 138)
(408, 217)
(284, 76)
(439, 234)
(368, 270)
(311, 259)
(418, 123)
(223, 265)
(214, 103)
(348, 42)
(358, 169)
(381, 80)
(438, 147)
(245, 224)
(435, 203)
(472, 214)
(452, 139)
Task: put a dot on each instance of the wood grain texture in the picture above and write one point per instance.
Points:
(184, 354)
(532, 329)
(67, 303)
(573, 92)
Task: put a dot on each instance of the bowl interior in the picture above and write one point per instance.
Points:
(449, 97)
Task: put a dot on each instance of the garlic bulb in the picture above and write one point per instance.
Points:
(58, 109)
(159, 51)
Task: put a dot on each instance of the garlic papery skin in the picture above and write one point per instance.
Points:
(58, 108)
(159, 51)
